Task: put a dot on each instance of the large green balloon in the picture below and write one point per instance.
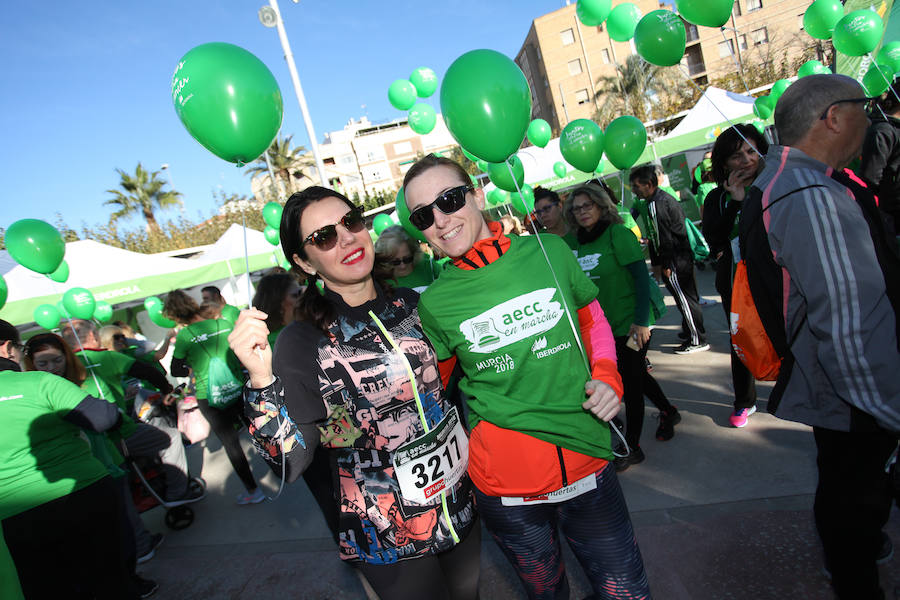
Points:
(61, 274)
(890, 55)
(539, 132)
(422, 118)
(79, 303)
(228, 100)
(763, 107)
(709, 13)
(271, 235)
(524, 202)
(624, 141)
(593, 12)
(622, 20)
(402, 94)
(812, 67)
(821, 17)
(403, 216)
(559, 169)
(581, 144)
(877, 79)
(46, 316)
(4, 291)
(153, 303)
(35, 245)
(778, 89)
(660, 38)
(486, 104)
(425, 81)
(381, 222)
(858, 33)
(500, 175)
(469, 155)
(160, 319)
(271, 213)
(103, 311)
(482, 165)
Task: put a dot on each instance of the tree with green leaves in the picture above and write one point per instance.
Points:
(290, 165)
(144, 194)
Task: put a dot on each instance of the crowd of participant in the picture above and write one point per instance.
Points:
(421, 397)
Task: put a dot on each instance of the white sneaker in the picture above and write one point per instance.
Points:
(251, 498)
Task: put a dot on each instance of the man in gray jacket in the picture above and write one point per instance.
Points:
(840, 375)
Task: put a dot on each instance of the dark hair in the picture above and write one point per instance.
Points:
(729, 142)
(182, 308)
(645, 174)
(8, 332)
(545, 194)
(269, 297)
(888, 100)
(75, 371)
(427, 162)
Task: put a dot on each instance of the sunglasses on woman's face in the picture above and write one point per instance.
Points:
(325, 238)
(448, 203)
(400, 261)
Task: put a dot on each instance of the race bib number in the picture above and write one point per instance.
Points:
(433, 462)
(578, 488)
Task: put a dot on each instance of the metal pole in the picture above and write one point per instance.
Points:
(289, 57)
(562, 98)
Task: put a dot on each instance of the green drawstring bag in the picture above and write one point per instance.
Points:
(222, 386)
(698, 243)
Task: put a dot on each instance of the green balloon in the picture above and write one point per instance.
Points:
(402, 94)
(35, 245)
(660, 38)
(763, 107)
(79, 302)
(153, 304)
(778, 89)
(858, 33)
(708, 13)
(812, 67)
(622, 20)
(103, 311)
(581, 144)
(160, 319)
(381, 222)
(284, 264)
(469, 155)
(877, 79)
(486, 104)
(593, 12)
(403, 216)
(759, 125)
(559, 169)
(889, 55)
(422, 118)
(4, 291)
(482, 165)
(425, 81)
(539, 132)
(524, 202)
(228, 100)
(61, 309)
(46, 316)
(61, 274)
(272, 235)
(624, 141)
(821, 17)
(271, 213)
(501, 177)
(496, 197)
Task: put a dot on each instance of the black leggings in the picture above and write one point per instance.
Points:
(451, 575)
(637, 383)
(223, 422)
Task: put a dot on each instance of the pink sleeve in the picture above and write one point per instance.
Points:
(599, 345)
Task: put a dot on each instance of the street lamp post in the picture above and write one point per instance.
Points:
(271, 16)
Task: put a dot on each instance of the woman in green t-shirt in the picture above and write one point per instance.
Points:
(611, 256)
(201, 342)
(399, 259)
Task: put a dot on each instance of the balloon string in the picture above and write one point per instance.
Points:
(724, 116)
(883, 76)
(247, 261)
(735, 60)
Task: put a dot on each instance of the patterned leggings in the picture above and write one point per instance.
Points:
(598, 529)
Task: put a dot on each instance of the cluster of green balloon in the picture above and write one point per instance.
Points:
(624, 141)
(271, 213)
(858, 33)
(381, 222)
(763, 107)
(228, 100)
(79, 303)
(593, 12)
(61, 274)
(35, 245)
(422, 118)
(559, 169)
(486, 104)
(46, 316)
(154, 307)
(422, 83)
(498, 197)
(622, 21)
(812, 67)
(501, 176)
(660, 38)
(403, 216)
(708, 13)
(820, 18)
(581, 144)
(523, 201)
(539, 133)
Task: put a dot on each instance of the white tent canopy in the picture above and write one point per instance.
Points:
(709, 111)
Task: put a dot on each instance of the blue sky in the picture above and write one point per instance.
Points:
(87, 84)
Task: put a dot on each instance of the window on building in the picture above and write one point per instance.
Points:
(538, 52)
(600, 28)
(582, 97)
(347, 160)
(726, 48)
(605, 54)
(691, 31)
(753, 5)
(403, 148)
(575, 66)
(742, 41)
(567, 36)
(760, 36)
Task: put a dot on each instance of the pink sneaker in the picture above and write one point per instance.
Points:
(740, 417)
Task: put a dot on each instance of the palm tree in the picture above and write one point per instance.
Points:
(630, 91)
(288, 164)
(144, 195)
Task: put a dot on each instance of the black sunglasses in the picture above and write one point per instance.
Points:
(449, 202)
(543, 209)
(325, 238)
(836, 102)
(399, 261)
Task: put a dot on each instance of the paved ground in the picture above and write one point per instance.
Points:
(719, 513)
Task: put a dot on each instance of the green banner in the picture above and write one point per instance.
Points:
(856, 66)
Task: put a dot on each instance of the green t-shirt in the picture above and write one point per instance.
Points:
(506, 324)
(230, 313)
(424, 274)
(198, 343)
(42, 457)
(604, 260)
(110, 368)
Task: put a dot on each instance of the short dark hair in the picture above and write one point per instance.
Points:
(212, 290)
(545, 194)
(645, 174)
(8, 332)
(729, 142)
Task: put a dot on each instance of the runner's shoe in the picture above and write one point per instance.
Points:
(155, 541)
(636, 456)
(688, 348)
(145, 587)
(251, 498)
(668, 419)
(193, 495)
(740, 417)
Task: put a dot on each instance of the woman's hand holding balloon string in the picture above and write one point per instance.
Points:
(602, 400)
(249, 342)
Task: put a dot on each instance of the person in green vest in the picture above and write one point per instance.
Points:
(212, 296)
(60, 516)
(276, 295)
(201, 347)
(398, 258)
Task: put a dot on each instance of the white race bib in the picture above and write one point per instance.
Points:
(433, 462)
(585, 484)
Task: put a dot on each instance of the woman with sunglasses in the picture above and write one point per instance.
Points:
(356, 375)
(539, 450)
(398, 257)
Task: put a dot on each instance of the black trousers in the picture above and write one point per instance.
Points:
(73, 546)
(853, 503)
(743, 381)
(683, 288)
(224, 423)
(637, 383)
